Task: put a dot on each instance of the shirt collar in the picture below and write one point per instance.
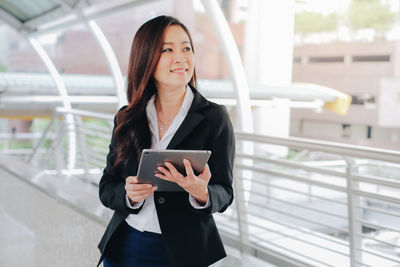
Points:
(152, 113)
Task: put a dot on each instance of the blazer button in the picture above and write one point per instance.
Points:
(161, 200)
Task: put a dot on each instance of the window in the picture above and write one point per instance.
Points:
(371, 58)
(346, 130)
(326, 59)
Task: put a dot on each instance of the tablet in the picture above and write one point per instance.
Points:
(152, 158)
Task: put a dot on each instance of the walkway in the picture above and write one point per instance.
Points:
(39, 230)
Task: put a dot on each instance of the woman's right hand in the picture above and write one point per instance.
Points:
(137, 192)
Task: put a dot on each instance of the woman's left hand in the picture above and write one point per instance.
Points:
(194, 185)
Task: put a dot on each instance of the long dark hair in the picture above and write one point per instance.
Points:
(132, 131)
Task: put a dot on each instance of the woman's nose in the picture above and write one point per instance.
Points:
(179, 58)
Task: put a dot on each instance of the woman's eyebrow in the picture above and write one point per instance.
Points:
(171, 43)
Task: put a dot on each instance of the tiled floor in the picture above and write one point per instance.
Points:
(37, 230)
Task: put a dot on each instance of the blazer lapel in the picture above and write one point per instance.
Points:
(192, 119)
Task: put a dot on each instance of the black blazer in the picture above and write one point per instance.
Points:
(190, 235)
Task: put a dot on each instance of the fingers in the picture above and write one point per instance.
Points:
(188, 168)
(132, 180)
(131, 184)
(206, 173)
(139, 196)
(171, 174)
(164, 171)
(137, 192)
(173, 170)
(137, 187)
(140, 193)
(164, 177)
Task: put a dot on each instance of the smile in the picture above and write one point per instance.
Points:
(178, 70)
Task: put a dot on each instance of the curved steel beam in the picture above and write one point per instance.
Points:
(107, 50)
(234, 61)
(65, 99)
(111, 61)
(53, 71)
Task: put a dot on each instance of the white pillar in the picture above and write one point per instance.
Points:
(275, 49)
(251, 41)
(268, 60)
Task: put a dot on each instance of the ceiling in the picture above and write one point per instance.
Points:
(41, 16)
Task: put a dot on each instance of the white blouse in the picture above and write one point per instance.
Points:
(146, 219)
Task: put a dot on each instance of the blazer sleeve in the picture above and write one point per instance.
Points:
(112, 185)
(221, 162)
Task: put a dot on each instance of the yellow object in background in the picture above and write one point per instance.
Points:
(340, 105)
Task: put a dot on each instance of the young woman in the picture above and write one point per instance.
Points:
(165, 111)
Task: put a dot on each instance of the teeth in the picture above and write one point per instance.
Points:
(180, 69)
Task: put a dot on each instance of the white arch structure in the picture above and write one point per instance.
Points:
(24, 31)
(231, 53)
(236, 68)
(213, 10)
(107, 50)
(111, 61)
(69, 119)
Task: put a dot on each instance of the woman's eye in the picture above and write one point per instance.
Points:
(167, 50)
(187, 49)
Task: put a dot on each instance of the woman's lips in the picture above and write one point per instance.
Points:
(183, 69)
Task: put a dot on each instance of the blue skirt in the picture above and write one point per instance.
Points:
(131, 248)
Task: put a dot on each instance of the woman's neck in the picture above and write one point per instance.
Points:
(169, 101)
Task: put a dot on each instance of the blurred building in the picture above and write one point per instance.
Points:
(370, 73)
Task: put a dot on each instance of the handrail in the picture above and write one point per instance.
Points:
(85, 113)
(293, 142)
(325, 146)
(16, 136)
(353, 189)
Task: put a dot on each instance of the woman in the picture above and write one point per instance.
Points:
(165, 111)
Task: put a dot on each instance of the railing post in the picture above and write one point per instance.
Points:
(39, 144)
(57, 144)
(240, 209)
(82, 144)
(353, 214)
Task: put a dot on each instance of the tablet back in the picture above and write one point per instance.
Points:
(152, 158)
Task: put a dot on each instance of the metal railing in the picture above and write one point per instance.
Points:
(86, 157)
(24, 141)
(321, 204)
(336, 205)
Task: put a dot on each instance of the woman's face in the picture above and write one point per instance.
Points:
(176, 64)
